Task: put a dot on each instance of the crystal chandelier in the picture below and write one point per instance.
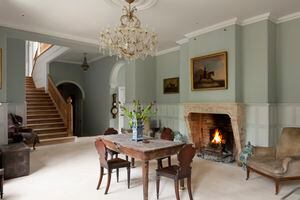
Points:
(128, 40)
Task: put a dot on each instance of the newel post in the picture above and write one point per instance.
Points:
(70, 116)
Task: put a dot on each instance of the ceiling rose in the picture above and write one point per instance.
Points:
(139, 4)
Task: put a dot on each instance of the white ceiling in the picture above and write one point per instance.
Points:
(172, 19)
(76, 56)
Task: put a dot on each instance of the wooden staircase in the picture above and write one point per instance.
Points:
(43, 117)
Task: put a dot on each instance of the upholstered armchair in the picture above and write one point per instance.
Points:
(281, 163)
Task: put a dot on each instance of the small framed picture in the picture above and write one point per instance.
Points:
(209, 72)
(171, 85)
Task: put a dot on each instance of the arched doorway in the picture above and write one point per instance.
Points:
(69, 89)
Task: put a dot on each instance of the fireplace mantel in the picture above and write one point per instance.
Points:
(234, 110)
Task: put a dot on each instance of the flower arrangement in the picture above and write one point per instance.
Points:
(138, 114)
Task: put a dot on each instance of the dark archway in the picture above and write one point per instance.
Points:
(71, 90)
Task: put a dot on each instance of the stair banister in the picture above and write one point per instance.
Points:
(64, 108)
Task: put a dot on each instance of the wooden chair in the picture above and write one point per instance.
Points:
(111, 131)
(178, 172)
(1, 182)
(114, 163)
(167, 134)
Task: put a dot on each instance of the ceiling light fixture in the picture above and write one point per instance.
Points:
(128, 40)
(85, 66)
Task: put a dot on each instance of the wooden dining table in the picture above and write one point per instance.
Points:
(146, 150)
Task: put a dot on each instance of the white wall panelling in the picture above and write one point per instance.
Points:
(257, 124)
(288, 115)
(168, 115)
(264, 121)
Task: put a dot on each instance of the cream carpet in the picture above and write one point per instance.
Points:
(70, 171)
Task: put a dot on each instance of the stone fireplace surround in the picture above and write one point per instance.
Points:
(234, 110)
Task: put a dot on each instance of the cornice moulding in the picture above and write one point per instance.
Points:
(234, 21)
(182, 41)
(50, 33)
(211, 28)
(258, 18)
(288, 17)
(168, 51)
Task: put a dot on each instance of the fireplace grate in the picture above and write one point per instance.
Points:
(216, 155)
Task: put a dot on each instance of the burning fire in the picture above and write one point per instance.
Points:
(218, 138)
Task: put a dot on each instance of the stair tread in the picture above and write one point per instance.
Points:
(52, 128)
(39, 111)
(39, 102)
(52, 134)
(34, 121)
(37, 105)
(43, 116)
(45, 124)
(61, 138)
(54, 118)
(50, 141)
(35, 100)
(41, 106)
(37, 96)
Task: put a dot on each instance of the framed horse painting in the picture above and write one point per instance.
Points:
(209, 72)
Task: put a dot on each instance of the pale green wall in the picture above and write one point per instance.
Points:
(3, 44)
(145, 80)
(255, 63)
(15, 70)
(97, 100)
(130, 82)
(185, 83)
(288, 65)
(167, 66)
(272, 65)
(60, 71)
(140, 80)
(214, 42)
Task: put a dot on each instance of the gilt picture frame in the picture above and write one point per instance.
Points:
(171, 85)
(209, 72)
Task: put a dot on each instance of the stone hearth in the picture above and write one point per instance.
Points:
(234, 110)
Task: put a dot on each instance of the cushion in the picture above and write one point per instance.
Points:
(288, 145)
(268, 165)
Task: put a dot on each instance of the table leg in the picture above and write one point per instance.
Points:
(145, 168)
